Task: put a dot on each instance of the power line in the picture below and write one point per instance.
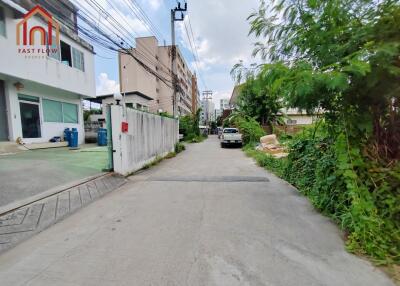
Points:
(120, 42)
(197, 54)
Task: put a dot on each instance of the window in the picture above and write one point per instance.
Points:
(230, 130)
(65, 54)
(28, 98)
(70, 113)
(77, 57)
(62, 112)
(2, 22)
(52, 111)
(54, 50)
(129, 105)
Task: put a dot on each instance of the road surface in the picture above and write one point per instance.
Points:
(207, 217)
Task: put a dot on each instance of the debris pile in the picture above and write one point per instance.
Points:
(270, 144)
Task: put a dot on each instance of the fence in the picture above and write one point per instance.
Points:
(147, 136)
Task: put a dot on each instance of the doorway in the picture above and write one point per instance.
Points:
(3, 114)
(30, 119)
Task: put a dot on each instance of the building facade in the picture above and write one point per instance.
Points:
(207, 114)
(134, 77)
(234, 97)
(224, 104)
(133, 100)
(41, 91)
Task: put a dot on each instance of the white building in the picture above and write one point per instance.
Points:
(135, 100)
(294, 116)
(224, 104)
(41, 91)
(218, 113)
(207, 114)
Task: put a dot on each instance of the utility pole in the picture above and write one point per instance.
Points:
(207, 97)
(173, 54)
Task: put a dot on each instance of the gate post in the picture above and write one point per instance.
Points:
(110, 165)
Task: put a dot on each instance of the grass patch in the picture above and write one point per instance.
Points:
(170, 155)
(156, 161)
(195, 138)
(277, 166)
(179, 147)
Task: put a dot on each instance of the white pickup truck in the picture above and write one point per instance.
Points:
(231, 136)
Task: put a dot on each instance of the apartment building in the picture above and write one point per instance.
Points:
(42, 81)
(207, 114)
(134, 76)
(196, 102)
(224, 104)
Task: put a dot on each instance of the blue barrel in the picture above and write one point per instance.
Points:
(67, 135)
(74, 138)
(102, 137)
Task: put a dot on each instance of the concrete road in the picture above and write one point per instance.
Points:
(208, 217)
(30, 173)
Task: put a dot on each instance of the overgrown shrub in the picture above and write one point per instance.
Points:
(189, 126)
(361, 195)
(266, 161)
(179, 147)
(248, 127)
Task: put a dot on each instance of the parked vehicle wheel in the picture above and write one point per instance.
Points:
(222, 145)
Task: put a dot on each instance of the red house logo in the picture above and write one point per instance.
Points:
(45, 31)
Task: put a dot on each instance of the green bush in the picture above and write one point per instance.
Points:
(266, 161)
(179, 147)
(189, 126)
(361, 195)
(248, 127)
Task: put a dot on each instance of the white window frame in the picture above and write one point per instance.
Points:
(81, 66)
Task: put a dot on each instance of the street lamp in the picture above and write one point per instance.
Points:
(117, 97)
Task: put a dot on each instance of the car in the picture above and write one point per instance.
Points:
(231, 137)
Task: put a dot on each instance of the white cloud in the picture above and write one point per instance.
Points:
(221, 30)
(155, 4)
(218, 95)
(106, 85)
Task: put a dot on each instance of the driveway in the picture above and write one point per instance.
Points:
(208, 217)
(29, 173)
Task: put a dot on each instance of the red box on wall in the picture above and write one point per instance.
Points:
(124, 127)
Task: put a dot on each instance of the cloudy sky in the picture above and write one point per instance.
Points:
(220, 29)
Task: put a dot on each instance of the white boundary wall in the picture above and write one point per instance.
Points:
(148, 136)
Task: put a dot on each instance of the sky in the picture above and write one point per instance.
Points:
(221, 36)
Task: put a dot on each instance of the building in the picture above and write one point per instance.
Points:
(224, 104)
(134, 100)
(135, 78)
(207, 114)
(294, 116)
(196, 102)
(234, 97)
(42, 81)
(217, 113)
